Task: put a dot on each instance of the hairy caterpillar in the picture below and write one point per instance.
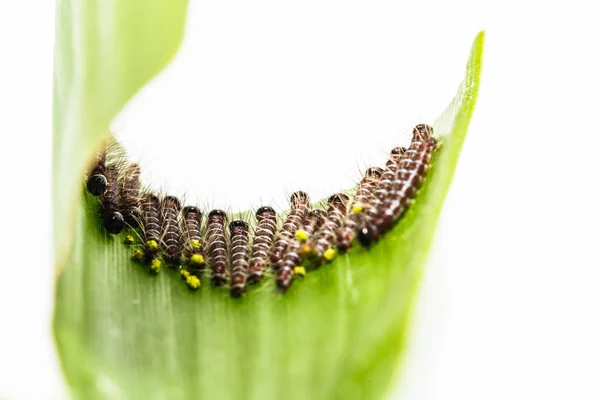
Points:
(361, 200)
(129, 187)
(321, 246)
(170, 208)
(109, 202)
(407, 181)
(193, 245)
(239, 254)
(216, 242)
(264, 233)
(150, 224)
(300, 204)
(389, 173)
(292, 258)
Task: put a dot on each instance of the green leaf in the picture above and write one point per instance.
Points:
(338, 333)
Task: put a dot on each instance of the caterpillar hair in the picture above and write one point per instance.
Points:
(266, 226)
(216, 243)
(321, 247)
(96, 182)
(130, 194)
(239, 255)
(109, 202)
(300, 205)
(170, 208)
(362, 199)
(292, 259)
(409, 178)
(193, 244)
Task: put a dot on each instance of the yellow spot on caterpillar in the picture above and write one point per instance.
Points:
(193, 282)
(185, 274)
(301, 235)
(330, 254)
(299, 270)
(137, 254)
(151, 245)
(195, 244)
(155, 265)
(197, 259)
(357, 208)
(129, 240)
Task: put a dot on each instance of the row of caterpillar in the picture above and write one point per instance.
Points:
(236, 253)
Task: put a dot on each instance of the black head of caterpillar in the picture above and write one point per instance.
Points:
(129, 186)
(321, 248)
(292, 260)
(216, 243)
(300, 205)
(362, 199)
(409, 178)
(239, 254)
(109, 203)
(96, 182)
(266, 226)
(193, 244)
(171, 236)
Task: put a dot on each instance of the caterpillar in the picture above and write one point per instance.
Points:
(292, 258)
(97, 182)
(266, 226)
(321, 246)
(362, 199)
(300, 204)
(170, 208)
(109, 202)
(216, 242)
(193, 245)
(388, 174)
(239, 254)
(150, 223)
(129, 187)
(407, 181)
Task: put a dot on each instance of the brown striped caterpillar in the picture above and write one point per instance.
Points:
(239, 255)
(321, 247)
(216, 243)
(407, 181)
(292, 258)
(129, 187)
(109, 202)
(193, 244)
(266, 226)
(300, 205)
(362, 199)
(171, 237)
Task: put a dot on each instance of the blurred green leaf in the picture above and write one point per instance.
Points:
(123, 333)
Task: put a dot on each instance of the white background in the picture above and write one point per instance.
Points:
(509, 302)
